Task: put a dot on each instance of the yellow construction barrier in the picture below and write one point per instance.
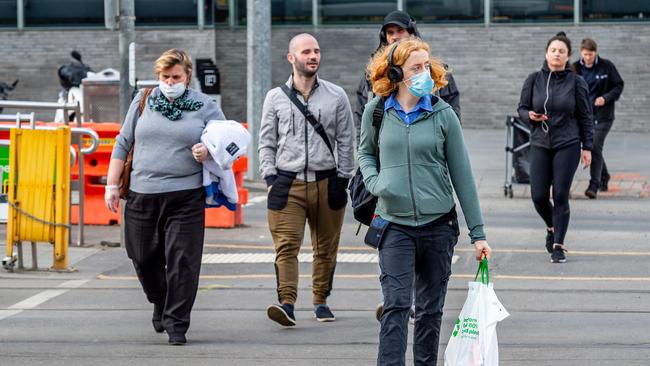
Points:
(39, 190)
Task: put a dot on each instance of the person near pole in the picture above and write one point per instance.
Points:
(306, 152)
(164, 214)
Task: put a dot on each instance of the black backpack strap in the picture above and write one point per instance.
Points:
(310, 117)
(378, 113)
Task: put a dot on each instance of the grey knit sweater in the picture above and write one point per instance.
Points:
(162, 158)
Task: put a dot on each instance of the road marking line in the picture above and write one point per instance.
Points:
(36, 300)
(40, 298)
(240, 258)
(376, 275)
(461, 250)
(254, 200)
(7, 313)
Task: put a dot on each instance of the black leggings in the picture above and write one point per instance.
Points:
(553, 167)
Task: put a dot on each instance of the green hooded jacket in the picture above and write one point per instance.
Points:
(417, 162)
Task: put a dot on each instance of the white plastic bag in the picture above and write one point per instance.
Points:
(473, 341)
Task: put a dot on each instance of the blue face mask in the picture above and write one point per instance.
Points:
(421, 84)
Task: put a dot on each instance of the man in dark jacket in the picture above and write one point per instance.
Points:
(398, 25)
(605, 87)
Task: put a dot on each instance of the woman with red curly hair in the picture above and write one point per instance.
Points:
(420, 148)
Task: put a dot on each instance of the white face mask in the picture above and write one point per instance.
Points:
(171, 91)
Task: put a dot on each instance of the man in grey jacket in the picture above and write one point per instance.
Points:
(303, 122)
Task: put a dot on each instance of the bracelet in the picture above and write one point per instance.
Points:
(111, 187)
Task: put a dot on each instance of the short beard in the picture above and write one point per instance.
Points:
(302, 69)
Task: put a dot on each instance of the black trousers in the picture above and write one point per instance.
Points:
(164, 239)
(553, 167)
(598, 167)
(422, 255)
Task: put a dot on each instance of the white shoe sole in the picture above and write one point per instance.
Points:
(325, 320)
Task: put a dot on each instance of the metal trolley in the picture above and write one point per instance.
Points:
(517, 141)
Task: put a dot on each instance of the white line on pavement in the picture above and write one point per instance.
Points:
(240, 258)
(270, 258)
(40, 298)
(254, 200)
(8, 313)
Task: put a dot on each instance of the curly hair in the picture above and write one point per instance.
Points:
(378, 66)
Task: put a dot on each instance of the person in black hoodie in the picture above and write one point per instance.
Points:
(605, 87)
(555, 102)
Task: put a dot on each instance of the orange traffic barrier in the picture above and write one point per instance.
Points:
(95, 170)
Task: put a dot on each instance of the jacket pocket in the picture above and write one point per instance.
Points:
(435, 196)
(393, 190)
(337, 195)
(279, 194)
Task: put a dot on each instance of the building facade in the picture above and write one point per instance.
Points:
(490, 45)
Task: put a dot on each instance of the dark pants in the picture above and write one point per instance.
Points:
(598, 167)
(553, 167)
(164, 239)
(422, 254)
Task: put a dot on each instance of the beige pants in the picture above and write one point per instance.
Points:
(306, 202)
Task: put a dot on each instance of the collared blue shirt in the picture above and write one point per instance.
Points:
(424, 105)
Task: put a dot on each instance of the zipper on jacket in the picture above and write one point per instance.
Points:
(408, 160)
(306, 145)
(293, 123)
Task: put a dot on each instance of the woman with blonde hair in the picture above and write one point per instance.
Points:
(164, 215)
(407, 161)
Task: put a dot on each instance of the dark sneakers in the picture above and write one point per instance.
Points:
(282, 314)
(549, 241)
(323, 313)
(591, 192)
(156, 319)
(177, 339)
(558, 255)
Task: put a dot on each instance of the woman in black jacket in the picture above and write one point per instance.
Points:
(555, 101)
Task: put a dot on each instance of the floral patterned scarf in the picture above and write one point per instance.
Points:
(174, 110)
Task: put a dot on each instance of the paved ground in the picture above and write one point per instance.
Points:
(593, 310)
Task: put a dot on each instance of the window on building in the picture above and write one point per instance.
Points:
(428, 11)
(355, 12)
(166, 12)
(8, 14)
(606, 10)
(64, 13)
(219, 12)
(282, 12)
(532, 11)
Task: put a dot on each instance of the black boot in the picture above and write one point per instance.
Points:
(591, 192)
(156, 319)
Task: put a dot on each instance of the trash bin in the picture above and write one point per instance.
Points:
(101, 96)
(207, 74)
